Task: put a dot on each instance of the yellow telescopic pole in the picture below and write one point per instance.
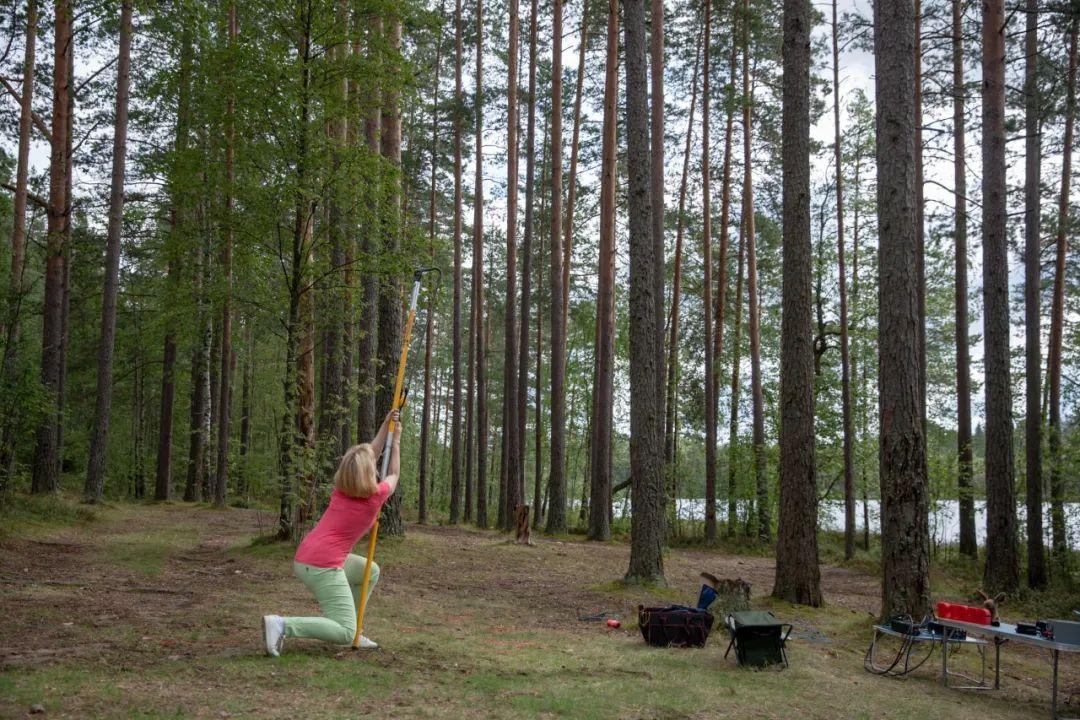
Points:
(398, 383)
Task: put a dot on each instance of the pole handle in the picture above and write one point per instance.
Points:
(364, 585)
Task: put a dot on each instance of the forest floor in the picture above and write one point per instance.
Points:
(153, 611)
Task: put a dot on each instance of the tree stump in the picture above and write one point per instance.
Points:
(731, 595)
(524, 531)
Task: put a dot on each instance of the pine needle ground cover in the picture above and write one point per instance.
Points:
(153, 611)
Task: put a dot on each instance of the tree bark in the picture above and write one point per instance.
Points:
(515, 488)
(45, 471)
(646, 319)
(248, 373)
(18, 245)
(736, 347)
(603, 397)
(390, 331)
(968, 545)
(526, 264)
(99, 438)
(455, 440)
(798, 578)
(556, 516)
(1059, 535)
(1002, 559)
(221, 476)
(845, 356)
(920, 222)
(538, 456)
(200, 375)
(676, 298)
(1036, 556)
(707, 300)
(761, 483)
(178, 216)
(571, 180)
(480, 366)
(425, 422)
(367, 420)
(905, 501)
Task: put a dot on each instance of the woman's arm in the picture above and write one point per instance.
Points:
(394, 471)
(379, 441)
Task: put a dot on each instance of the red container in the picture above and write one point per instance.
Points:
(963, 613)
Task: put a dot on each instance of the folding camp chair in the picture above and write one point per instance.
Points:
(758, 637)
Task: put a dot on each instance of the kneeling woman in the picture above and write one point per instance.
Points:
(324, 561)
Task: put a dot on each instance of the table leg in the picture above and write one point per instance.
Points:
(945, 657)
(997, 664)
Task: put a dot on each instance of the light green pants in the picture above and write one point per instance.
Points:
(338, 592)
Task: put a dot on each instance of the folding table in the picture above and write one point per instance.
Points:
(1001, 634)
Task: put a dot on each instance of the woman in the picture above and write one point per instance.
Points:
(324, 561)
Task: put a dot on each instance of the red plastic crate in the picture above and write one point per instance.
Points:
(963, 613)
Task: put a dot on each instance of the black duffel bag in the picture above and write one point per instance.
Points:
(674, 625)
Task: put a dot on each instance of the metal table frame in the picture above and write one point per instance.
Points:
(928, 637)
(1001, 634)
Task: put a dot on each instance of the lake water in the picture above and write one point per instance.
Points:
(944, 517)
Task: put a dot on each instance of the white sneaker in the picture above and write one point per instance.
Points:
(366, 644)
(273, 634)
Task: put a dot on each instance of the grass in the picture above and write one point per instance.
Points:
(25, 516)
(164, 618)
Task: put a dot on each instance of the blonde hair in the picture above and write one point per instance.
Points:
(356, 476)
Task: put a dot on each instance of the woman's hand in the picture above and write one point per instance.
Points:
(394, 416)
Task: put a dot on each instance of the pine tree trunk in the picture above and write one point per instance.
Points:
(178, 224)
(458, 410)
(736, 346)
(200, 379)
(733, 416)
(99, 438)
(1059, 535)
(367, 420)
(480, 367)
(69, 259)
(600, 465)
(425, 422)
(859, 381)
(296, 432)
(571, 180)
(526, 262)
(845, 355)
(18, 247)
(390, 330)
(1036, 556)
(46, 471)
(707, 300)
(515, 489)
(1002, 559)
(646, 318)
(798, 578)
(538, 457)
(920, 222)
(761, 483)
(905, 497)
(676, 297)
(968, 545)
(248, 374)
(556, 518)
(221, 476)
